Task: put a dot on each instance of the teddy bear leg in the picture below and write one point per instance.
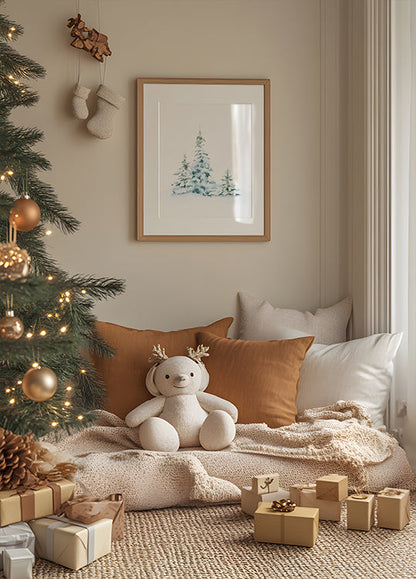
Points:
(217, 431)
(158, 434)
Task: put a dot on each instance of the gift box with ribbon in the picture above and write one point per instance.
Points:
(25, 504)
(305, 496)
(71, 543)
(18, 536)
(286, 524)
(87, 509)
(18, 563)
(393, 508)
(250, 499)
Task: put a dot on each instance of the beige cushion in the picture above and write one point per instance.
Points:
(259, 320)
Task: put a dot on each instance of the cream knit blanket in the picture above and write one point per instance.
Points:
(110, 459)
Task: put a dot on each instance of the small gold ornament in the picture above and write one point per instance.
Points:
(11, 328)
(25, 214)
(39, 384)
(283, 506)
(14, 262)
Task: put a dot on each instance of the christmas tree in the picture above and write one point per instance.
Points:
(201, 170)
(52, 310)
(227, 185)
(182, 183)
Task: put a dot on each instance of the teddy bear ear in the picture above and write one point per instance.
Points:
(150, 381)
(204, 377)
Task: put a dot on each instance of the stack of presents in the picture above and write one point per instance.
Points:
(292, 517)
(48, 520)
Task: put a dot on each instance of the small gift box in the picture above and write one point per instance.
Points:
(265, 483)
(250, 499)
(71, 543)
(18, 563)
(88, 510)
(297, 527)
(18, 536)
(305, 496)
(40, 501)
(360, 512)
(332, 487)
(393, 508)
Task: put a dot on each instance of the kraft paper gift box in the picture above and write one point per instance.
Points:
(18, 563)
(265, 483)
(332, 487)
(305, 496)
(298, 527)
(393, 508)
(71, 543)
(25, 505)
(360, 512)
(17, 536)
(250, 499)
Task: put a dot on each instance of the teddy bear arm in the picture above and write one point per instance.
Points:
(146, 410)
(210, 402)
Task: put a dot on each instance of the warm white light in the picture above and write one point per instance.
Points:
(67, 403)
(10, 172)
(29, 335)
(35, 365)
(43, 333)
(12, 401)
(20, 382)
(13, 28)
(83, 291)
(49, 315)
(50, 277)
(3, 177)
(63, 329)
(9, 35)
(7, 390)
(48, 232)
(67, 293)
(80, 417)
(83, 371)
(54, 424)
(68, 388)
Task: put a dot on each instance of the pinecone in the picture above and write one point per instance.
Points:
(15, 460)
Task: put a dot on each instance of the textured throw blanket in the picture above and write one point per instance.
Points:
(110, 460)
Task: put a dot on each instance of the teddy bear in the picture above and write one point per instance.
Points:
(182, 414)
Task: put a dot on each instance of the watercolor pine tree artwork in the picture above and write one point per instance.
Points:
(183, 182)
(197, 177)
(227, 187)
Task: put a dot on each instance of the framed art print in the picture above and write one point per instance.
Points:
(203, 159)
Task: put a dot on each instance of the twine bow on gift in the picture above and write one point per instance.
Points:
(359, 496)
(390, 492)
(283, 506)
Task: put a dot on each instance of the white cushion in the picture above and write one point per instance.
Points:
(259, 320)
(359, 370)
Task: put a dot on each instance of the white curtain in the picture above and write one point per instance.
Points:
(403, 181)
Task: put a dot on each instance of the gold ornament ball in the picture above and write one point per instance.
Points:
(25, 214)
(39, 384)
(11, 328)
(14, 262)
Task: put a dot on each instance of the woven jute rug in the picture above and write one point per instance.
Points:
(187, 543)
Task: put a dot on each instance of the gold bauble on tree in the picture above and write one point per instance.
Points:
(11, 328)
(14, 262)
(25, 214)
(39, 384)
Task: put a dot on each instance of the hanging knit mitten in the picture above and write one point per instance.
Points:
(79, 101)
(108, 103)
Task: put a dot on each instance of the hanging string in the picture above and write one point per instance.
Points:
(78, 56)
(102, 66)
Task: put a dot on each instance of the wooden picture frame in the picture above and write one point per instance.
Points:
(203, 200)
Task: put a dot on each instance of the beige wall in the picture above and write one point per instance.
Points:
(299, 45)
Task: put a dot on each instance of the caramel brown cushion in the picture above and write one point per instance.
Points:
(125, 374)
(260, 378)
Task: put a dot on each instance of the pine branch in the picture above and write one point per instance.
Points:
(97, 287)
(8, 26)
(19, 66)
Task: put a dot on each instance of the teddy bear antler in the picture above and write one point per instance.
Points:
(200, 352)
(158, 354)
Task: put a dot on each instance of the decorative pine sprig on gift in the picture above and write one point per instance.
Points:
(53, 326)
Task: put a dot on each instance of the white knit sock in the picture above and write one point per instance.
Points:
(79, 101)
(108, 103)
